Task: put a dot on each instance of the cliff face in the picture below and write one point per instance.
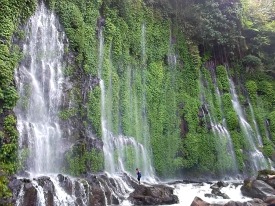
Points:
(188, 88)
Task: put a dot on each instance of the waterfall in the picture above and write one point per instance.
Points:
(256, 157)
(224, 145)
(147, 168)
(258, 136)
(116, 146)
(39, 82)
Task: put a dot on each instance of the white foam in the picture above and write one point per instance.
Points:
(187, 192)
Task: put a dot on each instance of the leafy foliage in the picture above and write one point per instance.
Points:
(13, 13)
(81, 160)
(148, 97)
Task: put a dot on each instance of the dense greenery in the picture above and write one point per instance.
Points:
(13, 13)
(171, 107)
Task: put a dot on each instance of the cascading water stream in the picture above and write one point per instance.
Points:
(116, 145)
(224, 145)
(259, 138)
(39, 81)
(147, 168)
(256, 158)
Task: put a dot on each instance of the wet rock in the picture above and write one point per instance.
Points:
(210, 195)
(65, 183)
(224, 196)
(257, 189)
(270, 200)
(155, 195)
(15, 185)
(221, 184)
(115, 200)
(25, 180)
(30, 195)
(97, 196)
(130, 180)
(48, 189)
(271, 182)
(199, 202)
(232, 203)
(216, 191)
(254, 202)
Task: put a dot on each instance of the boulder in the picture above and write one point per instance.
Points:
(254, 202)
(199, 202)
(30, 195)
(15, 185)
(257, 189)
(155, 195)
(48, 189)
(65, 183)
(97, 196)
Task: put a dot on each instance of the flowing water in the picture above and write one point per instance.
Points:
(224, 145)
(258, 135)
(256, 158)
(116, 146)
(39, 81)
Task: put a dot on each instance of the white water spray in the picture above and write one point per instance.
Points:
(115, 146)
(39, 81)
(256, 157)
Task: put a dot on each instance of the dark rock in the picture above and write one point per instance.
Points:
(65, 183)
(77, 189)
(224, 196)
(155, 195)
(48, 189)
(216, 191)
(232, 203)
(115, 200)
(271, 182)
(270, 200)
(130, 180)
(257, 189)
(25, 180)
(222, 184)
(30, 195)
(78, 201)
(106, 189)
(199, 202)
(15, 185)
(210, 195)
(97, 197)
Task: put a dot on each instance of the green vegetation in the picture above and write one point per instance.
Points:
(13, 13)
(148, 97)
(81, 160)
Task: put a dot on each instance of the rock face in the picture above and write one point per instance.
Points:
(48, 189)
(256, 202)
(93, 190)
(199, 202)
(257, 189)
(155, 195)
(30, 195)
(261, 189)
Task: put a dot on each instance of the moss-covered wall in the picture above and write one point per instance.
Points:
(139, 79)
(13, 13)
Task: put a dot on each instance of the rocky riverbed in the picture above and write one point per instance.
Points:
(123, 189)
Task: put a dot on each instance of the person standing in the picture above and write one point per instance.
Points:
(138, 175)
